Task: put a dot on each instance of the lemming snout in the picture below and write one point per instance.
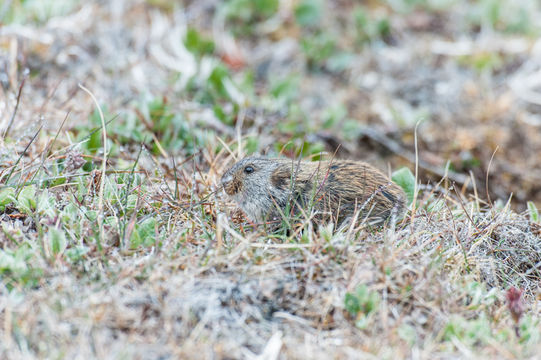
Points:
(227, 182)
(226, 179)
(230, 184)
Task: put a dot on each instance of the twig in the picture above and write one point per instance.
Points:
(103, 167)
(176, 177)
(416, 185)
(50, 146)
(464, 208)
(23, 153)
(92, 132)
(23, 81)
(238, 130)
(130, 181)
(488, 172)
(457, 238)
(231, 152)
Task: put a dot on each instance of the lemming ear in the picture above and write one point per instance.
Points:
(281, 177)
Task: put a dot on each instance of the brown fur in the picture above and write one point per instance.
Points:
(335, 189)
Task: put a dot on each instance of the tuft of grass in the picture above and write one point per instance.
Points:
(532, 211)
(369, 29)
(360, 304)
(309, 12)
(244, 14)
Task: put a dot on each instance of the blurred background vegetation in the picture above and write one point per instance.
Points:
(453, 86)
(300, 76)
(352, 79)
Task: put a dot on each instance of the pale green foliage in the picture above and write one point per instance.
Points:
(361, 304)
(406, 180)
(534, 213)
(26, 200)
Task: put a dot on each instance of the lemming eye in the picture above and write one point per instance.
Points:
(248, 169)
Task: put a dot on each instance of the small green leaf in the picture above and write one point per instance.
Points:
(351, 304)
(334, 115)
(326, 231)
(251, 145)
(94, 142)
(319, 48)
(266, 7)
(434, 205)
(222, 115)
(340, 61)
(56, 241)
(404, 178)
(217, 78)
(69, 212)
(16, 267)
(286, 89)
(46, 204)
(534, 213)
(132, 201)
(362, 322)
(144, 234)
(383, 27)
(197, 44)
(7, 196)
(92, 215)
(408, 334)
(12, 263)
(362, 300)
(26, 201)
(308, 12)
(76, 253)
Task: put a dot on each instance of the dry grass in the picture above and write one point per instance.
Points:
(173, 270)
(228, 301)
(439, 280)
